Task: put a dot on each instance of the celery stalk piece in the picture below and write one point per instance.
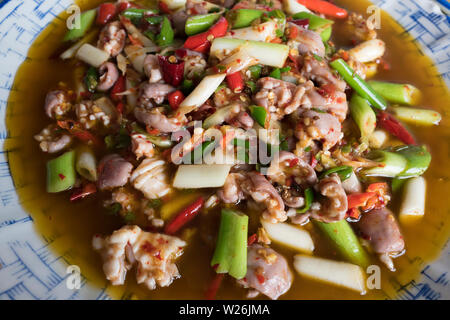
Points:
(241, 18)
(358, 84)
(316, 23)
(417, 160)
(201, 93)
(61, 172)
(422, 117)
(292, 7)
(390, 164)
(341, 235)
(265, 32)
(363, 115)
(230, 255)
(413, 203)
(270, 54)
(87, 19)
(326, 34)
(397, 93)
(199, 23)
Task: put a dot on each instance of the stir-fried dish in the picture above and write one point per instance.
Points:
(245, 113)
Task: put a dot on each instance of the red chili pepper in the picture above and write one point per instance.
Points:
(122, 6)
(313, 162)
(324, 7)
(381, 188)
(106, 11)
(260, 278)
(120, 107)
(293, 162)
(82, 192)
(302, 23)
(75, 129)
(252, 239)
(202, 41)
(356, 200)
(164, 7)
(181, 53)
(214, 286)
(175, 98)
(173, 73)
(294, 61)
(184, 216)
(389, 123)
(151, 130)
(235, 82)
(354, 213)
(119, 87)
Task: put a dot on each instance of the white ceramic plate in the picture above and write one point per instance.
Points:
(28, 270)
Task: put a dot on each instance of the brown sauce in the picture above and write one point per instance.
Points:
(72, 225)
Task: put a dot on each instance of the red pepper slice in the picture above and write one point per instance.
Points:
(214, 286)
(120, 107)
(106, 11)
(175, 98)
(235, 82)
(252, 239)
(356, 200)
(164, 7)
(393, 126)
(75, 129)
(82, 192)
(353, 213)
(173, 73)
(185, 216)
(201, 42)
(119, 87)
(324, 7)
(302, 23)
(122, 6)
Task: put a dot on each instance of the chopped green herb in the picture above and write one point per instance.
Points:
(318, 58)
(307, 149)
(251, 85)
(129, 217)
(91, 79)
(154, 203)
(114, 209)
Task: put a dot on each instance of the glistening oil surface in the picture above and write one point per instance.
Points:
(72, 225)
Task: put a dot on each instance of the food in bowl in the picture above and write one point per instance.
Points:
(250, 133)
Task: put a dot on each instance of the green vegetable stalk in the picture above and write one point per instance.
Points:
(165, 37)
(363, 115)
(61, 172)
(344, 172)
(91, 79)
(417, 160)
(309, 197)
(399, 162)
(242, 18)
(259, 114)
(135, 14)
(358, 84)
(397, 93)
(341, 235)
(390, 164)
(422, 117)
(87, 19)
(230, 255)
(317, 24)
(200, 23)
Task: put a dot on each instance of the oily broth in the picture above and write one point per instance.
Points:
(70, 226)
